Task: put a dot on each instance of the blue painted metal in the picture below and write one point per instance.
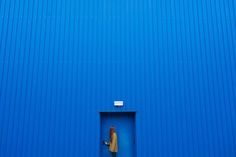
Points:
(64, 61)
(124, 123)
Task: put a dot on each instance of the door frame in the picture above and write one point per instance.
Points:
(134, 114)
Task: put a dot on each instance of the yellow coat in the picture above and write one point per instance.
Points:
(113, 144)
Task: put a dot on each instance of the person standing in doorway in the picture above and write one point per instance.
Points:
(113, 146)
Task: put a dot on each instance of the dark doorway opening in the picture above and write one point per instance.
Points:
(124, 123)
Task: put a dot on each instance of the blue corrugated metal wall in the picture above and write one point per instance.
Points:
(64, 61)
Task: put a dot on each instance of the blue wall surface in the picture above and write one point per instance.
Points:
(62, 62)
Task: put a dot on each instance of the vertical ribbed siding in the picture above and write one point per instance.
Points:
(62, 62)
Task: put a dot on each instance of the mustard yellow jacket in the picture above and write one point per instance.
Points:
(113, 144)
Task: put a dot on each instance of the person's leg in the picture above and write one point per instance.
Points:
(113, 154)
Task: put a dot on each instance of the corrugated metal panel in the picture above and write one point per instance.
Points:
(64, 61)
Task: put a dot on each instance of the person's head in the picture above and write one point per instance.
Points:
(112, 130)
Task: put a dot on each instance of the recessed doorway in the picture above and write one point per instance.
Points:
(124, 123)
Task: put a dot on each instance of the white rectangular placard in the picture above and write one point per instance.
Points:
(118, 103)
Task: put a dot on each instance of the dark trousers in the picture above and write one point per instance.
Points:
(113, 154)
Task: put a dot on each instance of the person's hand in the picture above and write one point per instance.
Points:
(106, 143)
